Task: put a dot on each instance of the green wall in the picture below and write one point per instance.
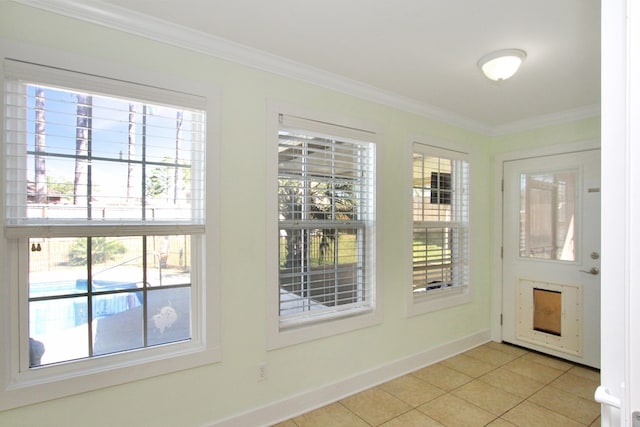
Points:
(578, 130)
(204, 395)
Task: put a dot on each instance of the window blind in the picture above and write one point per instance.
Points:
(326, 129)
(440, 219)
(326, 205)
(75, 156)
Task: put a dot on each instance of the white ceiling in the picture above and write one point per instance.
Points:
(421, 51)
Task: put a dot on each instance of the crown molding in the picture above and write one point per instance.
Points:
(545, 120)
(114, 17)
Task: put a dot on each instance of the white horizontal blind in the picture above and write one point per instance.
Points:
(326, 205)
(440, 219)
(84, 150)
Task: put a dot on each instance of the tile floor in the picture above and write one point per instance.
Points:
(491, 385)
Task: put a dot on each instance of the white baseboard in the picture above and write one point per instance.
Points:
(299, 404)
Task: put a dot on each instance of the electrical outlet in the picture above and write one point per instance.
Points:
(262, 371)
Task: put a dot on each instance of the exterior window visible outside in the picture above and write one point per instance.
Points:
(440, 221)
(105, 206)
(326, 219)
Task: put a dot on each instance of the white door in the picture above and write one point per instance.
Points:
(620, 388)
(551, 255)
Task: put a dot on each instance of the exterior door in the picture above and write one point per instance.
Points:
(619, 391)
(551, 255)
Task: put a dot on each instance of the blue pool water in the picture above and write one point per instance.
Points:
(71, 310)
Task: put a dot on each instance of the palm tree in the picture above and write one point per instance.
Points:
(40, 166)
(132, 148)
(83, 148)
(177, 158)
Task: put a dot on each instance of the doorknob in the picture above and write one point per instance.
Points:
(594, 270)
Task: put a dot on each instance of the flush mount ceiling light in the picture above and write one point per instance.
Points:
(502, 64)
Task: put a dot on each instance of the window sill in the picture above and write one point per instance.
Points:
(65, 379)
(437, 299)
(279, 337)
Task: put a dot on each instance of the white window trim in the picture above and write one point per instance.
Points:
(332, 325)
(439, 299)
(55, 381)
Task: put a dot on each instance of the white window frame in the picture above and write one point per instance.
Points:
(459, 293)
(280, 334)
(20, 385)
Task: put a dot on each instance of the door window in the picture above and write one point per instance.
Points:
(548, 215)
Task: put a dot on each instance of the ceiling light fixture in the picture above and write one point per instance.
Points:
(501, 64)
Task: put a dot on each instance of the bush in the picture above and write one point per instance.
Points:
(102, 250)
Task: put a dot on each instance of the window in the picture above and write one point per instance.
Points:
(547, 215)
(440, 222)
(105, 216)
(440, 188)
(326, 219)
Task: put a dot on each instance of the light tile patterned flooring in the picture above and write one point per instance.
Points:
(491, 385)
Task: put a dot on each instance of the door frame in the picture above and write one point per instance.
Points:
(619, 391)
(498, 173)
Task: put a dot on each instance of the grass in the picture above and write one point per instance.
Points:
(347, 250)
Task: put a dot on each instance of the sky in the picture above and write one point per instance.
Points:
(109, 136)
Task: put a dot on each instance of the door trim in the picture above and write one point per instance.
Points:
(499, 159)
